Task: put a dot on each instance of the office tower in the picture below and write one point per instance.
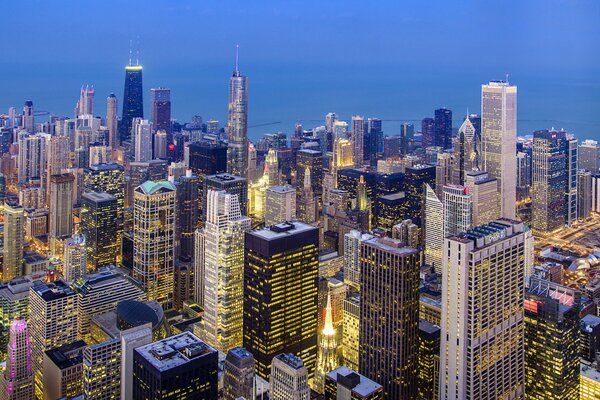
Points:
(154, 239)
(458, 209)
(109, 178)
(187, 212)
(74, 258)
(408, 233)
(443, 172)
(99, 155)
(184, 282)
(289, 378)
(390, 292)
(229, 183)
(6, 139)
(207, 158)
(584, 194)
(596, 193)
(571, 189)
(237, 125)
(427, 132)
(407, 137)
(442, 128)
(433, 229)
(281, 205)
(30, 162)
(189, 371)
(143, 139)
(101, 370)
(28, 120)
(327, 358)
(358, 137)
(111, 121)
(100, 292)
(16, 383)
(551, 338)
(391, 146)
(14, 302)
(60, 208)
(590, 381)
(490, 335)
(588, 156)
(160, 114)
(238, 371)
(160, 144)
(313, 160)
(276, 319)
(351, 332)
(85, 105)
(548, 209)
(499, 140)
(352, 242)
(416, 178)
(523, 175)
(466, 152)
(13, 241)
(340, 130)
(484, 193)
(130, 340)
(375, 140)
(52, 323)
(344, 383)
(223, 266)
(199, 255)
(429, 360)
(57, 155)
(307, 204)
(99, 225)
(63, 371)
(272, 168)
(133, 99)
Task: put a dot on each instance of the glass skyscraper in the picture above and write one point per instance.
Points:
(133, 99)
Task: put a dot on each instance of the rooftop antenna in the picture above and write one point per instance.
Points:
(130, 45)
(137, 54)
(507, 79)
(237, 58)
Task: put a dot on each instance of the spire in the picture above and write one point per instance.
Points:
(130, 45)
(137, 53)
(307, 180)
(328, 329)
(237, 59)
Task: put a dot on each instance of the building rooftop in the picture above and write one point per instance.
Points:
(110, 166)
(428, 327)
(52, 291)
(99, 196)
(589, 322)
(290, 360)
(282, 230)
(485, 234)
(391, 245)
(361, 385)
(589, 372)
(281, 189)
(225, 178)
(68, 355)
(174, 351)
(152, 187)
(309, 151)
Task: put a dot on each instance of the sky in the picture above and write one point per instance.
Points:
(396, 60)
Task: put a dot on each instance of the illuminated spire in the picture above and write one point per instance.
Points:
(307, 180)
(328, 329)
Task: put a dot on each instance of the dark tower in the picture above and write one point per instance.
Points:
(442, 130)
(133, 98)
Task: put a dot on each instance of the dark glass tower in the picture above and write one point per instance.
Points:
(442, 130)
(133, 99)
(427, 132)
(187, 212)
(161, 109)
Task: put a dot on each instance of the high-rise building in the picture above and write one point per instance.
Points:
(442, 128)
(358, 137)
(111, 121)
(238, 375)
(207, 158)
(327, 357)
(416, 178)
(133, 99)
(344, 383)
(187, 212)
(160, 114)
(499, 140)
(571, 189)
(178, 367)
(443, 171)
(109, 178)
(551, 360)
(427, 132)
(28, 119)
(57, 155)
(63, 371)
(313, 160)
(352, 241)
(584, 194)
(14, 302)
(458, 209)
(142, 130)
(351, 332)
(61, 206)
(484, 192)
(31, 159)
(85, 105)
(588, 156)
(154, 239)
(161, 141)
(407, 137)
(14, 232)
(429, 360)
(277, 319)
(16, 383)
(130, 340)
(231, 184)
(466, 152)
(52, 323)
(99, 225)
(375, 140)
(482, 345)
(237, 126)
(549, 208)
(289, 378)
(101, 370)
(433, 229)
(307, 204)
(280, 205)
(523, 175)
(390, 292)
(222, 266)
(74, 258)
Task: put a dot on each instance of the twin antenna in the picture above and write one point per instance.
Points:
(137, 53)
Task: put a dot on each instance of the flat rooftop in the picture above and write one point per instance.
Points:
(174, 351)
(282, 230)
(391, 245)
(364, 387)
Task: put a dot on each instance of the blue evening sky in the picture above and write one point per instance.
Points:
(397, 60)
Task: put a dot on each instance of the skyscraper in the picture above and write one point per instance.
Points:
(482, 345)
(277, 319)
(111, 121)
(32, 152)
(458, 209)
(442, 128)
(588, 156)
(231, 184)
(289, 378)
(307, 204)
(14, 231)
(99, 226)
(187, 212)
(161, 109)
(101, 370)
(352, 241)
(154, 239)
(344, 383)
(61, 207)
(143, 139)
(133, 99)
(390, 292)
(74, 258)
(28, 122)
(499, 140)
(238, 371)
(551, 360)
(427, 132)
(466, 152)
(223, 267)
(584, 194)
(280, 205)
(358, 137)
(237, 147)
(375, 143)
(484, 192)
(571, 189)
(17, 381)
(85, 105)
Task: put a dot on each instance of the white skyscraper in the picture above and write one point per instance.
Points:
(143, 139)
(223, 260)
(499, 140)
(483, 330)
(130, 340)
(352, 241)
(31, 156)
(433, 229)
(289, 378)
(358, 139)
(111, 121)
(74, 259)
(14, 225)
(458, 209)
(280, 205)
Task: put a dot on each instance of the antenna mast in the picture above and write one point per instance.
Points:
(237, 58)
(130, 45)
